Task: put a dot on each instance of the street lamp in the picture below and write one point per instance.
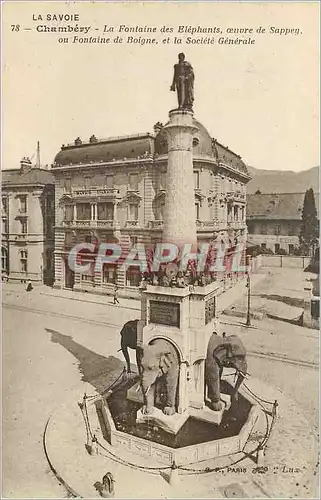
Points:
(248, 286)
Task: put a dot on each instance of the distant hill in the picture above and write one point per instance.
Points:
(286, 181)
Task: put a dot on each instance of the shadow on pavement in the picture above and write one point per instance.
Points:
(96, 369)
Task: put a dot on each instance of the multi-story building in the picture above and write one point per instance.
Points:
(274, 220)
(27, 214)
(114, 190)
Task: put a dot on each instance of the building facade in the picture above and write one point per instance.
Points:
(27, 214)
(274, 220)
(114, 190)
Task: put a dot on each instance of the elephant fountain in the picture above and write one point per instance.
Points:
(159, 363)
(223, 352)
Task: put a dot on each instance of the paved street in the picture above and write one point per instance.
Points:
(52, 344)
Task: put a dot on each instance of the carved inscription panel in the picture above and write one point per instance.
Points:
(164, 313)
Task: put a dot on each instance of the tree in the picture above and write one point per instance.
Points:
(309, 230)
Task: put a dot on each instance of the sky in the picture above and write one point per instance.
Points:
(261, 100)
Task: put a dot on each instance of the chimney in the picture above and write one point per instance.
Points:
(25, 165)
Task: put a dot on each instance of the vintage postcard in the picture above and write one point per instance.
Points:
(160, 249)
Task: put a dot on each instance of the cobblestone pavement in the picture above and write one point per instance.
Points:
(51, 345)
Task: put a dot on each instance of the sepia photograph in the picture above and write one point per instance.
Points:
(160, 249)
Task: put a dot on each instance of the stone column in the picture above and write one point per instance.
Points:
(182, 391)
(307, 317)
(75, 211)
(179, 213)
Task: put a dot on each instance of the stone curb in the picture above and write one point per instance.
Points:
(292, 445)
(91, 301)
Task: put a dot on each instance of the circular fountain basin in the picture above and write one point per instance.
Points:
(196, 440)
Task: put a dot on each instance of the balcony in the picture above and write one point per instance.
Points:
(236, 224)
(94, 192)
(211, 225)
(235, 196)
(132, 224)
(93, 224)
(156, 225)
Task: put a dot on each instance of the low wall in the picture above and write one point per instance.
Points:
(299, 262)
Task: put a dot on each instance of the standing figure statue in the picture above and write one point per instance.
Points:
(183, 82)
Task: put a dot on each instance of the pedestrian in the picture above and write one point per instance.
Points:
(116, 295)
(29, 286)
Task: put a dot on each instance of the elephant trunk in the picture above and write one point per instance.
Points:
(241, 367)
(148, 386)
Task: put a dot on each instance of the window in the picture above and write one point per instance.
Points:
(133, 211)
(133, 276)
(83, 211)
(196, 179)
(110, 181)
(291, 231)
(23, 261)
(105, 211)
(67, 185)
(69, 213)
(24, 228)
(4, 260)
(278, 229)
(133, 240)
(23, 204)
(236, 212)
(197, 211)
(133, 182)
(263, 245)
(90, 275)
(250, 228)
(163, 177)
(87, 182)
(291, 249)
(50, 205)
(264, 229)
(109, 273)
(4, 201)
(277, 247)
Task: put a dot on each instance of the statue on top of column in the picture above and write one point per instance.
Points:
(183, 82)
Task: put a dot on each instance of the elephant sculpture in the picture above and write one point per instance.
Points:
(129, 340)
(159, 363)
(223, 352)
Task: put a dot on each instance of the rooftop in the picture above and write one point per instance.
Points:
(277, 205)
(34, 176)
(131, 147)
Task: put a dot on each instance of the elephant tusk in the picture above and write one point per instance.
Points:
(147, 391)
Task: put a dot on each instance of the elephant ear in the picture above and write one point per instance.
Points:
(165, 361)
(236, 346)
